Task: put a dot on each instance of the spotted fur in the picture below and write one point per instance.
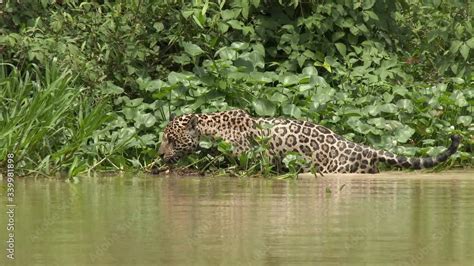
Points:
(327, 151)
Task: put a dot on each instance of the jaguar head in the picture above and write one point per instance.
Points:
(180, 137)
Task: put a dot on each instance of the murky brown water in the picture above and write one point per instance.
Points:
(394, 218)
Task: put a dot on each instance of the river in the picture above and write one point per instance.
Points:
(394, 218)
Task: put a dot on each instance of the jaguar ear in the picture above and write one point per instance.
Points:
(192, 123)
(172, 116)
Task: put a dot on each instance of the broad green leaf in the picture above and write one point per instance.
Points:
(357, 125)
(227, 53)
(175, 77)
(368, 4)
(455, 46)
(134, 102)
(240, 45)
(454, 68)
(150, 85)
(130, 113)
(264, 107)
(363, 28)
(378, 122)
(323, 95)
(387, 97)
(148, 139)
(192, 49)
(291, 110)
(402, 91)
(372, 15)
(229, 14)
(130, 69)
(280, 98)
(224, 147)
(145, 119)
(235, 24)
(158, 26)
(373, 110)
(260, 77)
(182, 59)
(245, 8)
(301, 59)
(304, 80)
(162, 93)
(464, 51)
(435, 3)
(348, 23)
(205, 7)
(289, 79)
(319, 81)
(389, 108)
(112, 89)
(327, 66)
(337, 35)
(457, 80)
(470, 43)
(459, 99)
(306, 86)
(310, 71)
(255, 58)
(309, 54)
(354, 30)
(187, 13)
(223, 28)
(255, 3)
(341, 48)
(259, 49)
(464, 120)
(406, 105)
(404, 133)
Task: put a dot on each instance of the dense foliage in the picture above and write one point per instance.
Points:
(90, 85)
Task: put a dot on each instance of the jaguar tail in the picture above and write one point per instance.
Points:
(420, 162)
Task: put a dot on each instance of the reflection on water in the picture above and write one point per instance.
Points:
(402, 219)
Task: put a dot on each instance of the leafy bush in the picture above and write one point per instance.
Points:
(393, 74)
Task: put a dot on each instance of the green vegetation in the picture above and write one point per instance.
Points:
(90, 85)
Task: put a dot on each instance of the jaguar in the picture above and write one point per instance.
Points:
(325, 150)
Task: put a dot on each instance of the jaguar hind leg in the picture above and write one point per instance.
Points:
(373, 169)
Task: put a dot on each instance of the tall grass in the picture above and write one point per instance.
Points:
(44, 120)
